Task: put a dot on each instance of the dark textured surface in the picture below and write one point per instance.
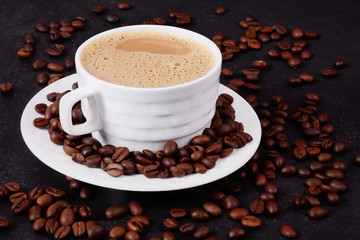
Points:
(339, 37)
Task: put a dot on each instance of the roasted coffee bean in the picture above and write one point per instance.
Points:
(314, 181)
(227, 55)
(39, 225)
(57, 193)
(254, 44)
(339, 165)
(227, 72)
(55, 67)
(300, 201)
(159, 20)
(260, 180)
(41, 27)
(129, 167)
(199, 215)
(304, 172)
(93, 160)
(187, 228)
(13, 187)
(85, 213)
(324, 157)
(136, 208)
(257, 206)
(124, 6)
(36, 193)
(42, 78)
(67, 217)
(263, 37)
(116, 211)
(220, 10)
(199, 168)
(272, 207)
(306, 77)
(170, 148)
(99, 9)
(63, 232)
(53, 52)
(14, 197)
(53, 211)
(261, 64)
(29, 47)
(39, 64)
(96, 232)
(284, 45)
(70, 64)
(34, 213)
(334, 174)
(56, 137)
(340, 147)
(170, 223)
(85, 192)
(23, 53)
(183, 20)
(51, 226)
(329, 73)
(238, 213)
(339, 63)
(177, 212)
(117, 232)
(294, 62)
(115, 169)
(40, 122)
(112, 18)
(271, 188)
(177, 172)
(165, 236)
(236, 233)
(316, 166)
(251, 221)
(212, 208)
(265, 196)
(297, 33)
(305, 54)
(317, 212)
(288, 231)
(314, 191)
(202, 232)
(333, 197)
(288, 170)
(273, 54)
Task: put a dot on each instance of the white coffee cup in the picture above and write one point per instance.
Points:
(143, 118)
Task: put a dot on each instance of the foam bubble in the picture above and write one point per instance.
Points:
(143, 69)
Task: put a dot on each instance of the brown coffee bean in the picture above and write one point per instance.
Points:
(136, 208)
(288, 170)
(340, 147)
(339, 63)
(13, 187)
(300, 202)
(79, 228)
(39, 225)
(261, 64)
(257, 206)
(112, 18)
(85, 192)
(20, 206)
(115, 169)
(23, 53)
(85, 213)
(212, 208)
(96, 232)
(170, 223)
(14, 197)
(260, 180)
(117, 232)
(254, 44)
(45, 200)
(317, 212)
(230, 202)
(339, 165)
(306, 77)
(273, 54)
(251, 221)
(334, 174)
(67, 217)
(5, 222)
(199, 215)
(34, 213)
(165, 236)
(63, 232)
(316, 166)
(329, 73)
(202, 232)
(333, 197)
(237, 214)
(124, 6)
(305, 54)
(55, 67)
(116, 211)
(177, 212)
(53, 211)
(57, 193)
(187, 228)
(236, 233)
(288, 231)
(220, 10)
(294, 62)
(99, 9)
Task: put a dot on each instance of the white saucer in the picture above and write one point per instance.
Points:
(53, 155)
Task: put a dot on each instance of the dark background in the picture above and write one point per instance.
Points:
(336, 22)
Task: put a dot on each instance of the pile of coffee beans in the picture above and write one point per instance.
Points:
(201, 154)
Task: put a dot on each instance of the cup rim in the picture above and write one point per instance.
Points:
(174, 30)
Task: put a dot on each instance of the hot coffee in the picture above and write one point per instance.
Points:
(147, 59)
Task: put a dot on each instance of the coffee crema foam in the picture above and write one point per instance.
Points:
(147, 59)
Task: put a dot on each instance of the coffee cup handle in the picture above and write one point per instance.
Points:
(65, 108)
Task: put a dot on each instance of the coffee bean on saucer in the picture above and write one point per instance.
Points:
(288, 231)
